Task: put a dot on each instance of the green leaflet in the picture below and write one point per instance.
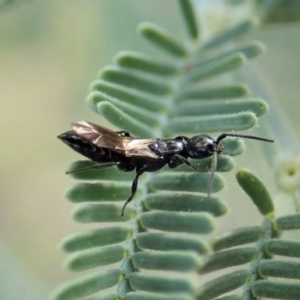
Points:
(156, 296)
(237, 237)
(283, 247)
(250, 49)
(141, 62)
(194, 125)
(160, 284)
(291, 222)
(95, 257)
(225, 64)
(257, 191)
(171, 242)
(129, 96)
(279, 268)
(223, 284)
(162, 39)
(95, 238)
(91, 212)
(232, 33)
(189, 18)
(88, 284)
(215, 92)
(180, 201)
(178, 221)
(166, 261)
(228, 258)
(131, 80)
(178, 181)
(257, 106)
(274, 289)
(99, 191)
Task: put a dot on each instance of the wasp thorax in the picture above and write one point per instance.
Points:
(201, 146)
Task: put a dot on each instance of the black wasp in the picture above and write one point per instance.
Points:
(118, 148)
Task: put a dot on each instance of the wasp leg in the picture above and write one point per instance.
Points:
(96, 167)
(177, 159)
(133, 191)
(123, 133)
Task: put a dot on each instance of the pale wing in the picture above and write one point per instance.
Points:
(100, 136)
(105, 138)
(140, 148)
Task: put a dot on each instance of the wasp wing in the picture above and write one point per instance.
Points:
(98, 135)
(140, 148)
(105, 138)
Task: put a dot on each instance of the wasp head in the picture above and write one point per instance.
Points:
(202, 146)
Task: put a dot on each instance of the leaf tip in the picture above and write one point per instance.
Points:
(257, 191)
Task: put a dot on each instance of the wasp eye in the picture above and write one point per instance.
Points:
(211, 148)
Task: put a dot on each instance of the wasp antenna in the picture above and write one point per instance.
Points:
(253, 137)
(212, 174)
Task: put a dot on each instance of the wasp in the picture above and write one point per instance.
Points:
(110, 148)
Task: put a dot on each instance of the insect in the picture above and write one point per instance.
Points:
(118, 148)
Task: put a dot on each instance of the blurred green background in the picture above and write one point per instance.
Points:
(50, 51)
